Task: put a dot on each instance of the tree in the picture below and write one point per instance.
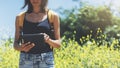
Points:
(85, 19)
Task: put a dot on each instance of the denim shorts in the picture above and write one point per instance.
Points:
(44, 60)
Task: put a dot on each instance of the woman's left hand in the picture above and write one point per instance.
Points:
(46, 37)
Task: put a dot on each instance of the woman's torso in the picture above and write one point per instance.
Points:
(31, 27)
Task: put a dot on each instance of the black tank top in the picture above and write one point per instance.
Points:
(38, 27)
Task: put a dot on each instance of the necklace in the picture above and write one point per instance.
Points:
(37, 16)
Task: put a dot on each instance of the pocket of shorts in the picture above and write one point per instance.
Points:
(49, 60)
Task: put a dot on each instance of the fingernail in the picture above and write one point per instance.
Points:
(33, 44)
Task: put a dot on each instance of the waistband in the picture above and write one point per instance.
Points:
(41, 54)
(36, 53)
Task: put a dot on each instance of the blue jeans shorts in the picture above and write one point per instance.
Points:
(44, 60)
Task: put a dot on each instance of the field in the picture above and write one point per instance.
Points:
(70, 55)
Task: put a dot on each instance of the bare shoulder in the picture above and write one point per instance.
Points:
(55, 14)
(21, 13)
(56, 19)
(20, 18)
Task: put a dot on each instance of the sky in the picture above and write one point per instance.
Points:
(10, 8)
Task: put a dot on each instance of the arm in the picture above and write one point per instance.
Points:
(21, 47)
(55, 43)
(17, 34)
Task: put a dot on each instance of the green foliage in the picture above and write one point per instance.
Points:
(72, 55)
(90, 56)
(94, 18)
(8, 57)
(114, 30)
(85, 18)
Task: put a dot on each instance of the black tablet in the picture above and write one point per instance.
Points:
(37, 39)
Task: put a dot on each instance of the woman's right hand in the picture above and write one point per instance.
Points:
(26, 46)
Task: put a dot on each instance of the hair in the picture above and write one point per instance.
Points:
(30, 7)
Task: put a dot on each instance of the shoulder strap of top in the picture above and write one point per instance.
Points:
(50, 14)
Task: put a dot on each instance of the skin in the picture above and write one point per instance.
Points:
(35, 18)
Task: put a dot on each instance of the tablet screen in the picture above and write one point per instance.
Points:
(37, 39)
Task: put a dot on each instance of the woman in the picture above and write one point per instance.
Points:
(36, 21)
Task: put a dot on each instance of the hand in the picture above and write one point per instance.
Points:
(26, 46)
(46, 37)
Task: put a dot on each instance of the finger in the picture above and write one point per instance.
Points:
(23, 45)
(42, 33)
(33, 44)
(27, 48)
(27, 43)
(47, 37)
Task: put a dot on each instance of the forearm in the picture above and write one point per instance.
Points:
(16, 46)
(54, 43)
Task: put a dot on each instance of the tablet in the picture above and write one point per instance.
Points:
(37, 39)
